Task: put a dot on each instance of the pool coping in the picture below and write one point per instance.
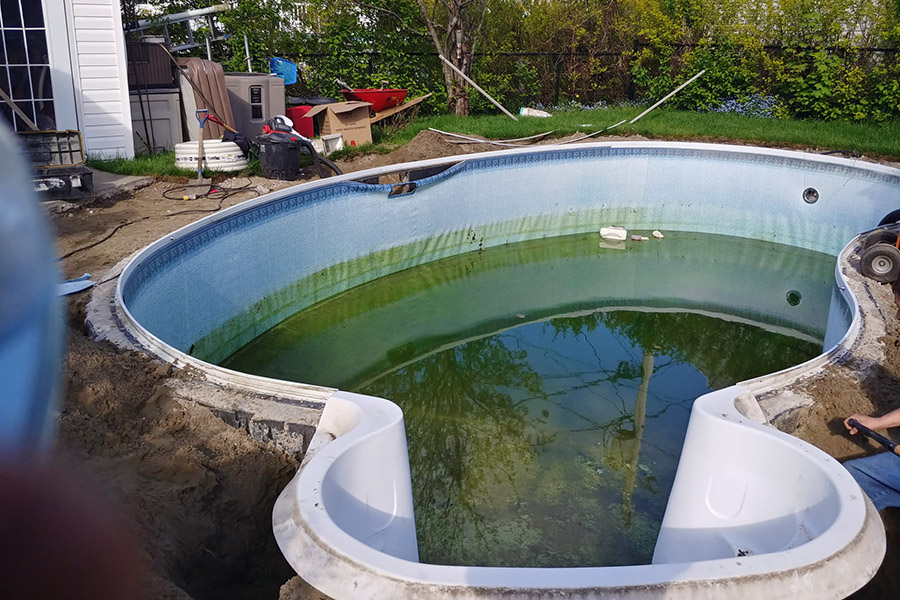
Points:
(288, 413)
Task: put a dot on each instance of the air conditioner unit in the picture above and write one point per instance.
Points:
(255, 98)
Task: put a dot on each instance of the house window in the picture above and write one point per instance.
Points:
(25, 64)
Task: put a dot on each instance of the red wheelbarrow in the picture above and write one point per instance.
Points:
(380, 98)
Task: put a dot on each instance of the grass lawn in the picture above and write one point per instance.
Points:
(881, 141)
(874, 141)
(161, 165)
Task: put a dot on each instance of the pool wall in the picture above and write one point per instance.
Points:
(683, 273)
(209, 288)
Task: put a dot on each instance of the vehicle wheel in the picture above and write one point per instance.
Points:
(879, 236)
(881, 262)
(891, 217)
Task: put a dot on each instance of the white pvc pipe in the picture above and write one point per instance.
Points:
(475, 85)
(669, 95)
(183, 16)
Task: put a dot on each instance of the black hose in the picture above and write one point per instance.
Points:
(219, 194)
(852, 153)
(318, 161)
(330, 164)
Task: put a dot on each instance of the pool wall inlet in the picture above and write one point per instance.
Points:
(345, 522)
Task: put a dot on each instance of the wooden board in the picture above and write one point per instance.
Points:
(393, 111)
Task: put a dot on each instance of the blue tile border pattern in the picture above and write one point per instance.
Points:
(647, 183)
(172, 254)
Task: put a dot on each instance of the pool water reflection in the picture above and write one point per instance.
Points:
(546, 386)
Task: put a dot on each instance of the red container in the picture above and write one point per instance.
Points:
(302, 125)
(379, 99)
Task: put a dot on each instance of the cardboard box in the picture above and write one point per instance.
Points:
(350, 119)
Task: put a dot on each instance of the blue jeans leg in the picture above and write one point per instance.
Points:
(879, 477)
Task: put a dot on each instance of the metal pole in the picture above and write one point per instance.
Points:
(247, 52)
(556, 85)
(475, 85)
(148, 130)
(208, 50)
(183, 16)
(669, 95)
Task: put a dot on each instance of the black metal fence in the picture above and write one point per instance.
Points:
(546, 78)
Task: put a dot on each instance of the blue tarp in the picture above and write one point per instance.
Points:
(284, 68)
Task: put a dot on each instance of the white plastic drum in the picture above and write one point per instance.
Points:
(217, 156)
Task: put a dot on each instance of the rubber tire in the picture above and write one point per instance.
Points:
(881, 263)
(879, 236)
(891, 217)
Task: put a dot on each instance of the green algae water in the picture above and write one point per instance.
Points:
(546, 386)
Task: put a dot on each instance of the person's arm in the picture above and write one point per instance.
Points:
(891, 419)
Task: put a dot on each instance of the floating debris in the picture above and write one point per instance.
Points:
(614, 233)
(520, 315)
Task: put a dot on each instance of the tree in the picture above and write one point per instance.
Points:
(454, 27)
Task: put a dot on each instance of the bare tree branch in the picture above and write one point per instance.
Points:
(388, 11)
(429, 24)
(476, 33)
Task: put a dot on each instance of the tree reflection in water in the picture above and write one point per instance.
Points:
(468, 438)
(552, 443)
(555, 443)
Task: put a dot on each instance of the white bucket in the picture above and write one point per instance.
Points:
(217, 156)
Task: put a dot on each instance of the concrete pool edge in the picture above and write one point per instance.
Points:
(315, 397)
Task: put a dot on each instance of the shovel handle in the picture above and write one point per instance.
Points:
(202, 116)
(874, 435)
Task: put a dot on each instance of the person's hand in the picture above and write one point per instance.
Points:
(870, 422)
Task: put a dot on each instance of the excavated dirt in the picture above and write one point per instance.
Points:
(200, 492)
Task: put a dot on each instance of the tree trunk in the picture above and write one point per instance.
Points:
(457, 47)
(457, 88)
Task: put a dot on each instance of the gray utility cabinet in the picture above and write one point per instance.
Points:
(156, 120)
(255, 98)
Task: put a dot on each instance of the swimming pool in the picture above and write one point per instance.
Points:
(545, 401)
(346, 520)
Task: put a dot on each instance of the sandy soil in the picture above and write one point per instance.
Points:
(199, 491)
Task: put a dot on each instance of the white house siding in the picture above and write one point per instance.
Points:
(100, 76)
